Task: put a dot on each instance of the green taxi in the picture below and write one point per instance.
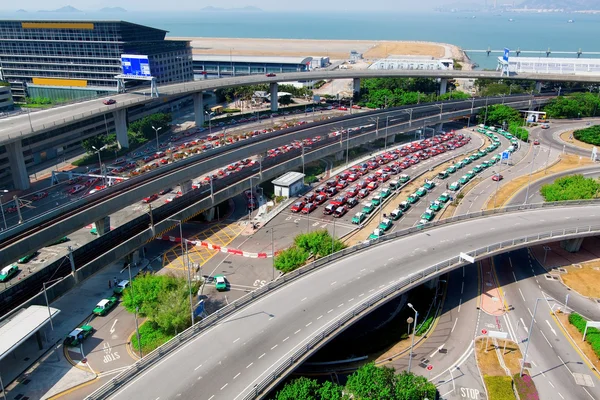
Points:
(377, 233)
(27, 258)
(396, 214)
(477, 169)
(385, 193)
(404, 178)
(376, 200)
(451, 169)
(421, 191)
(220, 283)
(413, 198)
(429, 185)
(428, 215)
(404, 206)
(368, 208)
(462, 181)
(358, 218)
(77, 335)
(436, 205)
(443, 174)
(8, 272)
(444, 197)
(385, 224)
(104, 306)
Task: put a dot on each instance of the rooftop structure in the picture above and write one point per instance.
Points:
(223, 65)
(551, 65)
(413, 63)
(22, 326)
(288, 184)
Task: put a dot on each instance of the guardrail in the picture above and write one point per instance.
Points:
(210, 321)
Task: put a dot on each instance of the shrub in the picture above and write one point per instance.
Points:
(290, 259)
(231, 110)
(151, 337)
(499, 387)
(525, 387)
(593, 334)
(589, 135)
(425, 326)
(574, 187)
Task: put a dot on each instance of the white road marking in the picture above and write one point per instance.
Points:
(551, 328)
(319, 317)
(360, 295)
(561, 396)
(371, 290)
(329, 311)
(273, 348)
(459, 304)
(195, 369)
(236, 340)
(352, 299)
(523, 297)
(551, 384)
(285, 339)
(454, 326)
(303, 299)
(462, 288)
(514, 276)
(238, 374)
(332, 283)
(210, 398)
(262, 355)
(530, 312)
(524, 326)
(224, 386)
(549, 344)
(295, 333)
(340, 305)
(309, 324)
(249, 365)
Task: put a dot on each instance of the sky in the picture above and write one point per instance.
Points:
(184, 5)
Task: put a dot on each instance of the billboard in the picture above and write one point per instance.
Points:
(135, 65)
(505, 56)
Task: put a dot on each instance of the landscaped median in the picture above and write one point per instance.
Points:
(499, 363)
(574, 325)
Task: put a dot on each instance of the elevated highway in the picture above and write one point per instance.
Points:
(244, 349)
(45, 228)
(27, 125)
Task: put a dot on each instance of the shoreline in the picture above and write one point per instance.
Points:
(334, 49)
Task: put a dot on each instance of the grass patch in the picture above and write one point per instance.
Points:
(525, 387)
(151, 337)
(574, 187)
(589, 135)
(576, 336)
(499, 387)
(425, 325)
(584, 280)
(593, 334)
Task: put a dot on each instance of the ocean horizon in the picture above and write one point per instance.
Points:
(469, 31)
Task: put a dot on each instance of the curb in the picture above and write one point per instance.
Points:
(74, 388)
(477, 365)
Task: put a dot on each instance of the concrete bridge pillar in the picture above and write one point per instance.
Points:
(18, 169)
(572, 245)
(102, 225)
(356, 85)
(538, 86)
(340, 155)
(439, 127)
(273, 89)
(209, 214)
(443, 86)
(120, 118)
(199, 109)
(186, 187)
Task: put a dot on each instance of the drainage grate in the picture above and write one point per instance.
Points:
(562, 270)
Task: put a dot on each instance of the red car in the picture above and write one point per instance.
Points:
(341, 184)
(338, 201)
(297, 207)
(362, 193)
(270, 75)
(39, 196)
(164, 161)
(320, 199)
(150, 198)
(308, 208)
(497, 177)
(329, 209)
(76, 189)
(351, 192)
(536, 142)
(310, 198)
(108, 102)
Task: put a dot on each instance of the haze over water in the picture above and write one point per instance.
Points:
(527, 31)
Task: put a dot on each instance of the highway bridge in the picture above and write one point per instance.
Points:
(246, 348)
(47, 227)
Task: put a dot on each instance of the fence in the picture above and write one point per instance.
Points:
(376, 298)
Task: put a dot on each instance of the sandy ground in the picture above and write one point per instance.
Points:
(566, 137)
(334, 49)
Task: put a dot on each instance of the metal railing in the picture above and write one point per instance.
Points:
(210, 321)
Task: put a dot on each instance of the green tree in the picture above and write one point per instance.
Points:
(146, 293)
(574, 187)
(290, 259)
(372, 383)
(499, 114)
(589, 135)
(455, 95)
(173, 312)
(143, 126)
(573, 105)
(309, 389)
(95, 141)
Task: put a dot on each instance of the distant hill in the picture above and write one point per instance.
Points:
(20, 10)
(65, 9)
(247, 8)
(572, 5)
(112, 10)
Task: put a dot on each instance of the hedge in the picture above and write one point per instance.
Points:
(525, 387)
(499, 387)
(589, 135)
(574, 187)
(593, 334)
(150, 336)
(425, 325)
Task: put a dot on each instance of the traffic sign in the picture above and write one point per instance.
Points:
(505, 155)
(429, 367)
(484, 331)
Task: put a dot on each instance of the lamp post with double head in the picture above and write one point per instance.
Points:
(412, 343)
(156, 131)
(186, 258)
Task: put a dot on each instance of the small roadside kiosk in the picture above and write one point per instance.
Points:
(289, 184)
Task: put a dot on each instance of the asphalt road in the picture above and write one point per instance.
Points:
(229, 359)
(551, 136)
(554, 362)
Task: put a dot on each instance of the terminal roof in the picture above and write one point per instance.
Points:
(288, 179)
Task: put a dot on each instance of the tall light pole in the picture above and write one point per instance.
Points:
(472, 106)
(135, 312)
(272, 229)
(185, 255)
(47, 303)
(100, 161)
(387, 122)
(529, 178)
(156, 131)
(412, 343)
(2, 208)
(529, 333)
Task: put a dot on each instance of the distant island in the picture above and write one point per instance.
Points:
(65, 9)
(20, 10)
(112, 10)
(537, 6)
(247, 8)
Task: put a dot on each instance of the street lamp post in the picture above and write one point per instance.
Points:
(100, 162)
(413, 336)
(135, 313)
(156, 131)
(186, 256)
(529, 333)
(47, 302)
(2, 208)
(387, 122)
(529, 178)
(272, 229)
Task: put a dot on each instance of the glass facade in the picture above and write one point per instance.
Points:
(85, 54)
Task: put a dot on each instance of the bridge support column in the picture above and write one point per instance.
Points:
(186, 187)
(538, 86)
(120, 118)
(572, 245)
(443, 86)
(439, 127)
(209, 214)
(340, 155)
(273, 89)
(356, 86)
(102, 226)
(199, 109)
(18, 169)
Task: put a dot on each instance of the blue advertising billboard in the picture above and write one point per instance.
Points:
(135, 65)
(505, 56)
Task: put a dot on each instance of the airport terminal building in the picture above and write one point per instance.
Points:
(217, 66)
(80, 59)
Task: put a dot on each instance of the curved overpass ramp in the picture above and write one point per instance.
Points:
(251, 349)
